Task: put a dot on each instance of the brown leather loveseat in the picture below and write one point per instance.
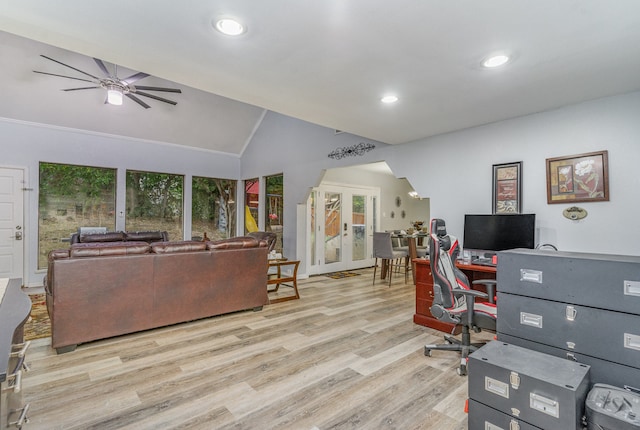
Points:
(99, 289)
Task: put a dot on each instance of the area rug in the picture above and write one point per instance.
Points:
(38, 325)
(340, 275)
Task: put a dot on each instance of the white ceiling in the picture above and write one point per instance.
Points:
(329, 62)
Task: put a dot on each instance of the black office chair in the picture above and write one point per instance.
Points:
(453, 299)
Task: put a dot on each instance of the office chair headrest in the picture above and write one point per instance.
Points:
(438, 227)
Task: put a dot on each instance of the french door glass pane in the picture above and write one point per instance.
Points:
(251, 204)
(359, 228)
(213, 208)
(71, 197)
(313, 227)
(154, 202)
(332, 233)
(275, 207)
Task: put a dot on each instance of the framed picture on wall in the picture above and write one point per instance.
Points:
(578, 178)
(507, 188)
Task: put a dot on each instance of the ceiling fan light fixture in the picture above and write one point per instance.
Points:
(229, 26)
(114, 95)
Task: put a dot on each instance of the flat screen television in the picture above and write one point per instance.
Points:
(499, 231)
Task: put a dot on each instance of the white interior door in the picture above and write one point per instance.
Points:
(341, 228)
(11, 223)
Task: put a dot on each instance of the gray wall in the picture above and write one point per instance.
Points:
(458, 172)
(25, 145)
(453, 170)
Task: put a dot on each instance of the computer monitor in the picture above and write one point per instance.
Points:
(499, 232)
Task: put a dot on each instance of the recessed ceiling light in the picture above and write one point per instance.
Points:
(229, 26)
(495, 61)
(389, 99)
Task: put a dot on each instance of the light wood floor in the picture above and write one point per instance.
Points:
(347, 355)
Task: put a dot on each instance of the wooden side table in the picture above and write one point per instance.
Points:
(280, 279)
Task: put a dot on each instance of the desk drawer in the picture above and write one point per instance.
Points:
(602, 371)
(595, 280)
(540, 389)
(482, 417)
(614, 336)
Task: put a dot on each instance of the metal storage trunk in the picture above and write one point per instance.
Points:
(596, 280)
(612, 408)
(614, 336)
(603, 371)
(482, 417)
(540, 389)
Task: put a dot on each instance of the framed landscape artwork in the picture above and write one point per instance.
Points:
(578, 178)
(507, 188)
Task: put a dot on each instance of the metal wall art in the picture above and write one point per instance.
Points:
(351, 151)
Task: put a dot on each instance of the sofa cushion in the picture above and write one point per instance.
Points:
(101, 249)
(268, 237)
(147, 236)
(115, 236)
(178, 246)
(234, 243)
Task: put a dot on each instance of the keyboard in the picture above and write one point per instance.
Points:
(483, 262)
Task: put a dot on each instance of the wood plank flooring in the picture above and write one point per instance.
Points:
(347, 355)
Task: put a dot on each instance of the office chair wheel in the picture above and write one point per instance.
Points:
(427, 352)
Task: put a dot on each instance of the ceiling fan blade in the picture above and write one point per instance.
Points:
(168, 90)
(152, 96)
(71, 67)
(102, 66)
(135, 77)
(63, 76)
(137, 100)
(81, 88)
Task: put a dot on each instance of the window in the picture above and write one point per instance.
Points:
(213, 208)
(154, 202)
(251, 204)
(275, 206)
(71, 197)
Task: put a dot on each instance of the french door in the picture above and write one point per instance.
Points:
(341, 224)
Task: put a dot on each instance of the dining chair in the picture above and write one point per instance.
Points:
(390, 259)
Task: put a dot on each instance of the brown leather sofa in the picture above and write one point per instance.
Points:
(98, 290)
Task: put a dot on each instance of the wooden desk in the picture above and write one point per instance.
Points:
(278, 279)
(424, 291)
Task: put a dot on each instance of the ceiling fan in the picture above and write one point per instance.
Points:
(115, 86)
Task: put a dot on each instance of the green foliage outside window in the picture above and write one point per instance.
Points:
(154, 202)
(70, 197)
(274, 188)
(213, 208)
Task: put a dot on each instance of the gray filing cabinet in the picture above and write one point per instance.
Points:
(515, 388)
(580, 306)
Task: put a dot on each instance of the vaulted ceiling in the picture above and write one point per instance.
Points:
(327, 62)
